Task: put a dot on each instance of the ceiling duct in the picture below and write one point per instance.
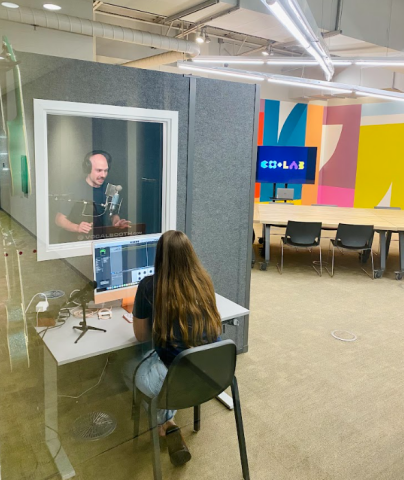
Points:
(81, 26)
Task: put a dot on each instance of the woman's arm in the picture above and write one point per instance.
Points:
(141, 328)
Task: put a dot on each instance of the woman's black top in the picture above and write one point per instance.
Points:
(143, 308)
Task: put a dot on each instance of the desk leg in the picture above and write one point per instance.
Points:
(227, 400)
(400, 273)
(383, 254)
(267, 250)
(55, 448)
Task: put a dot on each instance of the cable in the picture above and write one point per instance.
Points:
(32, 299)
(70, 296)
(334, 334)
(43, 332)
(90, 312)
(32, 475)
(88, 389)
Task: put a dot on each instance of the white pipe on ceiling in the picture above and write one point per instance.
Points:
(68, 23)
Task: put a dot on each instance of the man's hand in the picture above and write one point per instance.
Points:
(84, 227)
(121, 223)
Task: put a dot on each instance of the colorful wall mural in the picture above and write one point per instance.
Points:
(360, 151)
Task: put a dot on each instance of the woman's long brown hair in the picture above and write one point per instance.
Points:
(183, 292)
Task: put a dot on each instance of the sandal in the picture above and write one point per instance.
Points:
(177, 448)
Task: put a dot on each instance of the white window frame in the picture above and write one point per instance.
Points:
(43, 108)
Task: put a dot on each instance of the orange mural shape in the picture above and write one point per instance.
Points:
(314, 129)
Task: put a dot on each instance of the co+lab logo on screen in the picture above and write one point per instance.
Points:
(284, 165)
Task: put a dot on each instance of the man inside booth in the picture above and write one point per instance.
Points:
(92, 212)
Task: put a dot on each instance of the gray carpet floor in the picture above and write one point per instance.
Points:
(314, 407)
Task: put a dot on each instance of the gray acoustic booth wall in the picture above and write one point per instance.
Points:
(216, 149)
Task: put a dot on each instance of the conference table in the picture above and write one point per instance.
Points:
(60, 349)
(384, 221)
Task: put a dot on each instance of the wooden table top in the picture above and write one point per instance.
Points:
(280, 214)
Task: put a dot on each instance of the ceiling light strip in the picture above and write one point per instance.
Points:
(299, 82)
(231, 61)
(379, 95)
(380, 63)
(221, 72)
(309, 85)
(298, 26)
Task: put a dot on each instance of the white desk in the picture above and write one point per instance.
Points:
(60, 349)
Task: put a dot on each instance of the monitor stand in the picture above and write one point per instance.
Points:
(84, 328)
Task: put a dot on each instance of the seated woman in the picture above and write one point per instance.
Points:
(176, 308)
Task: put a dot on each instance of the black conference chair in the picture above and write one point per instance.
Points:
(302, 235)
(356, 238)
(196, 376)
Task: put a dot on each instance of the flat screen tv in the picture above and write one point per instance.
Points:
(286, 164)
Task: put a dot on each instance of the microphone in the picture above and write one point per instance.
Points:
(115, 204)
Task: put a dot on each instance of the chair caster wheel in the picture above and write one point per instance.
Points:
(399, 275)
(378, 274)
(263, 266)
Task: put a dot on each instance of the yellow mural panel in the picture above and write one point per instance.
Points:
(380, 165)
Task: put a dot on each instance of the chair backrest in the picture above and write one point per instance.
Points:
(322, 205)
(304, 233)
(198, 374)
(355, 236)
(387, 208)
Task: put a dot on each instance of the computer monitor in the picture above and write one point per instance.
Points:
(285, 193)
(119, 265)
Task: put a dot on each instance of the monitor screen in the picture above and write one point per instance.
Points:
(286, 164)
(122, 264)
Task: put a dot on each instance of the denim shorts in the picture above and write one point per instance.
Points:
(149, 380)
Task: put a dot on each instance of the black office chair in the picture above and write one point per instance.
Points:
(357, 238)
(196, 376)
(302, 235)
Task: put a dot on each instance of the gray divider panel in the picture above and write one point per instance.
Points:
(221, 170)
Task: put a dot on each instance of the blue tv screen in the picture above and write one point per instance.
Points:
(286, 164)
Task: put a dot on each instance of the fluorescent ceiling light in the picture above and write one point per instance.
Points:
(302, 21)
(341, 62)
(218, 60)
(381, 63)
(51, 6)
(380, 95)
(221, 72)
(309, 85)
(291, 62)
(10, 5)
(265, 53)
(278, 11)
(289, 13)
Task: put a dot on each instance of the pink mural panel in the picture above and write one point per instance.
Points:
(340, 169)
(342, 197)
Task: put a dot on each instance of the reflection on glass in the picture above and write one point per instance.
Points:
(105, 178)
